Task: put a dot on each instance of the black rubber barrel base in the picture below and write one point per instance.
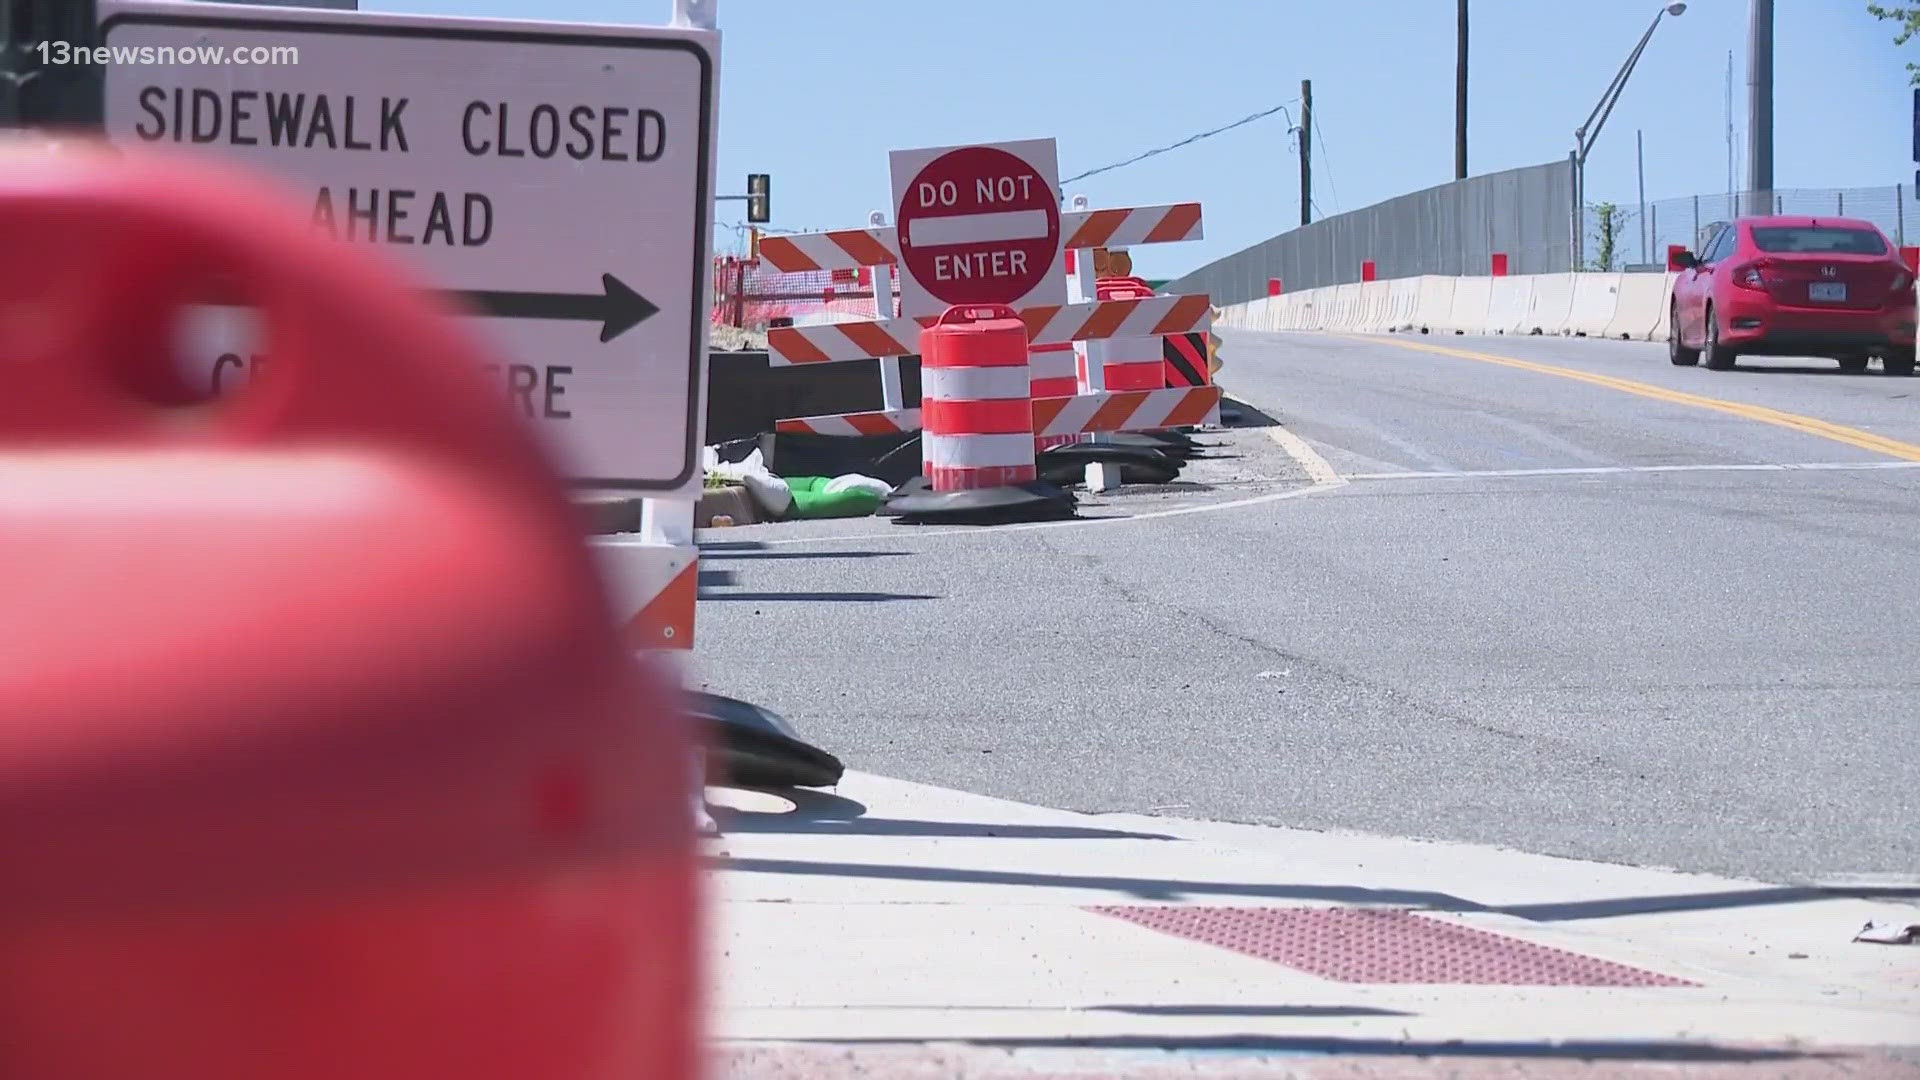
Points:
(1174, 444)
(1138, 464)
(916, 503)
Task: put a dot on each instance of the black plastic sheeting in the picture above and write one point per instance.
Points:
(893, 459)
(756, 748)
(916, 503)
(746, 393)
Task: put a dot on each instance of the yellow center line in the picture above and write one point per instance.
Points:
(1807, 425)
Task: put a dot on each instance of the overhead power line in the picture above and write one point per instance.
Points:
(1326, 160)
(1188, 141)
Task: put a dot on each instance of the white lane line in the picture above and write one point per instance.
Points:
(910, 532)
(1319, 470)
(1617, 470)
(1322, 474)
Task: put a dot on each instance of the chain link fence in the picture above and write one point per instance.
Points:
(749, 294)
(1525, 214)
(1640, 241)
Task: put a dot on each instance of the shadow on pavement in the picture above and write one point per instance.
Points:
(830, 597)
(1165, 890)
(725, 552)
(1625, 1050)
(820, 813)
(1248, 1010)
(1790, 369)
(1250, 417)
(1139, 888)
(737, 822)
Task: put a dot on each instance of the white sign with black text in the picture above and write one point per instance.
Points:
(557, 178)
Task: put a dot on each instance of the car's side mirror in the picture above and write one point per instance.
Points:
(1682, 260)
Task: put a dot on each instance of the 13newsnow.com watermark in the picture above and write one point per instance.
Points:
(66, 52)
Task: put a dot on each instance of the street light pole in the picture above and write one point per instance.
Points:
(1760, 104)
(1586, 134)
(1460, 93)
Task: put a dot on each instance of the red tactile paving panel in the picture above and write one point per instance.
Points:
(1370, 945)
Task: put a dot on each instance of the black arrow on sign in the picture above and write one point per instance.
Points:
(616, 308)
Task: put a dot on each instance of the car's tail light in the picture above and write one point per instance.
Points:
(1750, 276)
(1902, 281)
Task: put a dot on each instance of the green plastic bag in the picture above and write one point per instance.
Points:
(811, 499)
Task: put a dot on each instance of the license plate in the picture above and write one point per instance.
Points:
(1831, 292)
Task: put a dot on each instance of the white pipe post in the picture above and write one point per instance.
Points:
(672, 523)
(663, 522)
(891, 395)
(696, 14)
(1091, 355)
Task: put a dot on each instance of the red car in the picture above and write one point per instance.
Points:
(1794, 286)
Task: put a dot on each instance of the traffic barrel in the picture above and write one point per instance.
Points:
(320, 754)
(1135, 363)
(976, 410)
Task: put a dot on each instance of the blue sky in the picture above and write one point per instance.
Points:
(817, 93)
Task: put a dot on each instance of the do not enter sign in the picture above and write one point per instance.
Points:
(978, 225)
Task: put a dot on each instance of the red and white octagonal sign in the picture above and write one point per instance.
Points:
(979, 225)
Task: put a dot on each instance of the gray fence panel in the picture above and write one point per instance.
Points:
(1456, 228)
(1450, 229)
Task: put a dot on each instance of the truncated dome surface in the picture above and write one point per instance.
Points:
(1360, 945)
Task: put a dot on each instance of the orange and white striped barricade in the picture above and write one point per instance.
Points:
(878, 422)
(1083, 229)
(1055, 372)
(976, 401)
(877, 247)
(1130, 363)
(1048, 324)
(1149, 317)
(1127, 410)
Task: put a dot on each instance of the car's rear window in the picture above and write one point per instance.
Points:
(1818, 239)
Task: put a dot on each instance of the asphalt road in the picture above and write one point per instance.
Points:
(1669, 621)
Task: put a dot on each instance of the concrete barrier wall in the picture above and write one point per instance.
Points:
(1403, 301)
(1551, 306)
(1507, 311)
(1595, 298)
(1622, 306)
(1435, 307)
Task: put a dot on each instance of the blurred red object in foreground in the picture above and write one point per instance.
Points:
(320, 755)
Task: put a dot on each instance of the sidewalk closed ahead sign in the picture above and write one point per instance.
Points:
(556, 179)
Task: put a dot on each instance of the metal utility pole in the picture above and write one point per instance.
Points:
(1585, 134)
(1760, 104)
(1306, 151)
(1730, 155)
(1640, 166)
(36, 88)
(1460, 94)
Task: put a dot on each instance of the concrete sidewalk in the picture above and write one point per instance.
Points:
(895, 929)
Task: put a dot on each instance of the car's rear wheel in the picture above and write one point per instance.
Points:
(1677, 352)
(1898, 362)
(1718, 357)
(1853, 362)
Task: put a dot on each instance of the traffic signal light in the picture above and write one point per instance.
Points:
(759, 206)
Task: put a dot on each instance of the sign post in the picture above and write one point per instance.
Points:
(555, 179)
(979, 225)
